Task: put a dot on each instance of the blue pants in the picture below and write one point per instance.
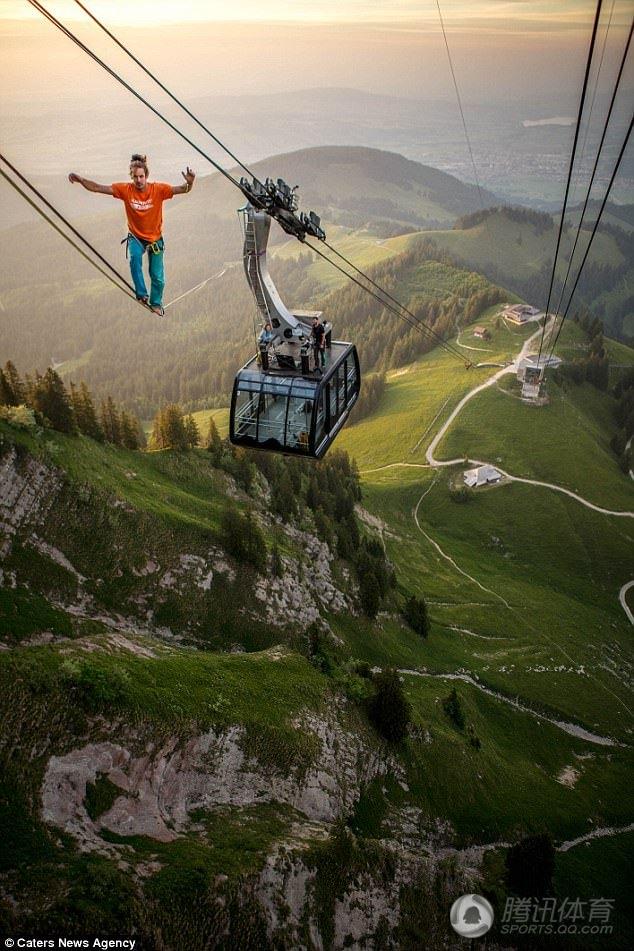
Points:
(136, 250)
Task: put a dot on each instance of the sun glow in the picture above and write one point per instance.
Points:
(488, 14)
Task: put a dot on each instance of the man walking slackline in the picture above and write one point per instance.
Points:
(144, 210)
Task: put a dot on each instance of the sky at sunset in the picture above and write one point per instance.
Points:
(503, 15)
(501, 48)
(526, 56)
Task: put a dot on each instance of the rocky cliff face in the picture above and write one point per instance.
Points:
(314, 887)
(28, 490)
(110, 563)
(163, 786)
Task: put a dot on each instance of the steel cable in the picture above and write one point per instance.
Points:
(594, 231)
(570, 168)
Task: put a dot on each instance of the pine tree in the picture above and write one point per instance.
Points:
(213, 443)
(242, 537)
(89, 416)
(174, 434)
(389, 709)
(6, 393)
(415, 613)
(191, 432)
(28, 389)
(156, 436)
(453, 709)
(16, 385)
(77, 407)
(51, 400)
(110, 422)
(129, 431)
(168, 431)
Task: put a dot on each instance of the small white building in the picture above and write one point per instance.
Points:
(482, 475)
(520, 313)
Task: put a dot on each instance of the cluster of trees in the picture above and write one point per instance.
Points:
(242, 537)
(595, 366)
(624, 413)
(330, 489)
(384, 341)
(538, 220)
(69, 412)
(375, 574)
(479, 301)
(389, 709)
(172, 430)
(453, 710)
(415, 613)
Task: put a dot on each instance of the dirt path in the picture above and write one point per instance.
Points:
(577, 731)
(465, 346)
(623, 600)
(512, 368)
(559, 488)
(475, 853)
(432, 461)
(197, 287)
(595, 834)
(447, 557)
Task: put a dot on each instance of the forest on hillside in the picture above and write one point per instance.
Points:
(606, 288)
(70, 318)
(191, 356)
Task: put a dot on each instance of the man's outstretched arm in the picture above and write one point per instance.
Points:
(88, 185)
(189, 177)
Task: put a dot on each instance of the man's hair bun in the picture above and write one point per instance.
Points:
(138, 161)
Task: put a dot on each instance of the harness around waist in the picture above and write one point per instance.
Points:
(152, 247)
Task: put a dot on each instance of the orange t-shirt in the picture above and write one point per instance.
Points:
(144, 209)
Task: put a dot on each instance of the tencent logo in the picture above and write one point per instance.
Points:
(471, 916)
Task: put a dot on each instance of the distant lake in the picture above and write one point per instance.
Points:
(555, 120)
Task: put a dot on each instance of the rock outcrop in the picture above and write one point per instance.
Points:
(161, 788)
(28, 489)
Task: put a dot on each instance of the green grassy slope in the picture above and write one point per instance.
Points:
(515, 247)
(422, 395)
(519, 256)
(527, 597)
(522, 590)
(560, 639)
(559, 645)
(359, 246)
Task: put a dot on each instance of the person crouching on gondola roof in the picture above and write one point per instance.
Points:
(143, 202)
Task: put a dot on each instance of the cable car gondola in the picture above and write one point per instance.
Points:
(280, 402)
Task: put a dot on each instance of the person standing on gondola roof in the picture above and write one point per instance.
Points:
(143, 202)
(318, 334)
